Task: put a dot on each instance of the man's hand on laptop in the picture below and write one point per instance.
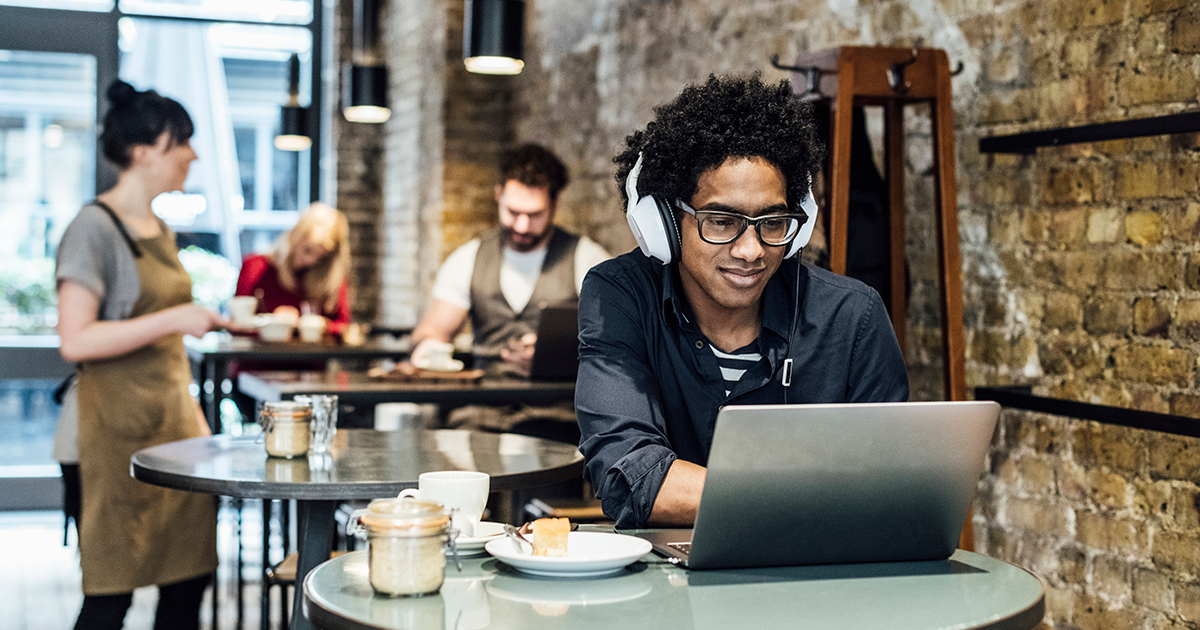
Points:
(519, 354)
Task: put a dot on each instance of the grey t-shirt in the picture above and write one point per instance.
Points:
(94, 255)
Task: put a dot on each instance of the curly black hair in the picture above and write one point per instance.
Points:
(725, 117)
(535, 166)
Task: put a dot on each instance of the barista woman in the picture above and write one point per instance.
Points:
(124, 304)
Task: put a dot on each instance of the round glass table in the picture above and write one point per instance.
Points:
(362, 464)
(966, 591)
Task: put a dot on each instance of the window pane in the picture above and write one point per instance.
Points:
(47, 172)
(269, 11)
(232, 79)
(73, 5)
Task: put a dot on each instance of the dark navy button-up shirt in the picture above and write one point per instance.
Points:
(649, 386)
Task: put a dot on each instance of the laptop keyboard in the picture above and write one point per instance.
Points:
(685, 547)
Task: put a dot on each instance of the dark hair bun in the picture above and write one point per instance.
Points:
(121, 92)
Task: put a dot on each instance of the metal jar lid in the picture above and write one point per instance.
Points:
(287, 411)
(406, 517)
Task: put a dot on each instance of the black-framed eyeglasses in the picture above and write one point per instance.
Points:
(721, 228)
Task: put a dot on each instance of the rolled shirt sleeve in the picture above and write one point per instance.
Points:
(618, 405)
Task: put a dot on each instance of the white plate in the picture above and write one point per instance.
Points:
(484, 531)
(588, 553)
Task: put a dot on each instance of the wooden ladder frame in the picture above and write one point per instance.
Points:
(853, 76)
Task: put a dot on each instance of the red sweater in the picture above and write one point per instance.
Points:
(259, 273)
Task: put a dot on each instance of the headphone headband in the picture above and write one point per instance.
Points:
(652, 221)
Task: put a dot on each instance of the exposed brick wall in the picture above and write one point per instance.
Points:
(1080, 263)
(359, 151)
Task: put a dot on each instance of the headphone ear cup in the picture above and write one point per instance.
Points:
(652, 233)
(671, 225)
(809, 206)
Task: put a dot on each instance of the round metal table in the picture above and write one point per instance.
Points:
(966, 591)
(363, 464)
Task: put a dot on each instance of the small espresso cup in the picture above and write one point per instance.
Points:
(242, 309)
(464, 491)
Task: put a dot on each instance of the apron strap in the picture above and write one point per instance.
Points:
(133, 247)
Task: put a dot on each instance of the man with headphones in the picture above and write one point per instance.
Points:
(715, 308)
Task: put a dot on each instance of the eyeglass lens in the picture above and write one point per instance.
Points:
(721, 228)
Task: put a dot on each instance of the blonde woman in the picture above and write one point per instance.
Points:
(306, 268)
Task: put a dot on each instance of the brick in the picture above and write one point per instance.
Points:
(1191, 272)
(1075, 270)
(1187, 601)
(1185, 32)
(1187, 507)
(1154, 500)
(1063, 311)
(1176, 552)
(1186, 405)
(1068, 227)
(1105, 225)
(1151, 40)
(1035, 226)
(1125, 270)
(1138, 180)
(1104, 315)
(1173, 457)
(1108, 490)
(1184, 224)
(1068, 185)
(1151, 317)
(1157, 365)
(1034, 475)
(1110, 533)
(1092, 613)
(1111, 579)
(1145, 228)
(1060, 603)
(1071, 480)
(1140, 8)
(1152, 590)
(1119, 448)
(1161, 85)
(1039, 515)
(1072, 565)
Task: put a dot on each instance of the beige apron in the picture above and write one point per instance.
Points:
(134, 534)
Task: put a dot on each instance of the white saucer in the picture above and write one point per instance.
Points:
(484, 531)
(588, 554)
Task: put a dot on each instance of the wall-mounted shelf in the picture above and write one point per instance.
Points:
(1019, 397)
(1029, 142)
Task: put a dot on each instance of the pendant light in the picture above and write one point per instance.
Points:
(492, 36)
(365, 78)
(293, 122)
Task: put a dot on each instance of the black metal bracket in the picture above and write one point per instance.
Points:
(895, 74)
(812, 78)
(1019, 397)
(1029, 142)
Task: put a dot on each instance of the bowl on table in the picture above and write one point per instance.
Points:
(274, 329)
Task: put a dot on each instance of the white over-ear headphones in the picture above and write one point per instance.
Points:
(652, 221)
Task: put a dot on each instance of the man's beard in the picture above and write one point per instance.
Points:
(523, 243)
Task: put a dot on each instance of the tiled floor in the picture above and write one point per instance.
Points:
(39, 577)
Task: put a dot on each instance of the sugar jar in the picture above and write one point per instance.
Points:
(407, 540)
(286, 427)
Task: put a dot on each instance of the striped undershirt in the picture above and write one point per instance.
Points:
(734, 365)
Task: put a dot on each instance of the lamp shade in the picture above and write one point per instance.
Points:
(493, 37)
(364, 96)
(293, 129)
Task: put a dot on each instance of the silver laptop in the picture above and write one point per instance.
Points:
(556, 353)
(827, 484)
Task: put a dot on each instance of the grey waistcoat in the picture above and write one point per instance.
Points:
(493, 321)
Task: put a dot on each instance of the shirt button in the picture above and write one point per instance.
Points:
(699, 344)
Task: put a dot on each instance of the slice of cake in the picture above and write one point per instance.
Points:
(550, 536)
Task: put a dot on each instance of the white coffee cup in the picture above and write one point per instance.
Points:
(464, 491)
(311, 327)
(242, 309)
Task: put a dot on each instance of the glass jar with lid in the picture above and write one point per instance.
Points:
(286, 427)
(407, 540)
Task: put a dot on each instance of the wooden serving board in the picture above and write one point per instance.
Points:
(408, 372)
